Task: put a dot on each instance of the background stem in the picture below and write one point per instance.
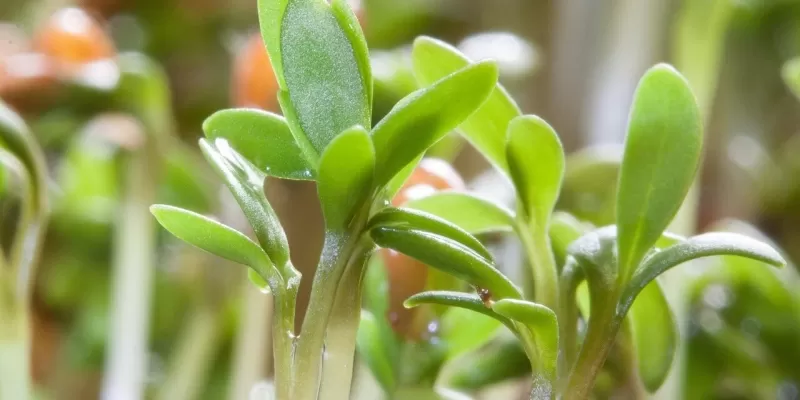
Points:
(15, 381)
(543, 265)
(134, 246)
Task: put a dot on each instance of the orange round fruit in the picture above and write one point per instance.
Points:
(254, 83)
(72, 39)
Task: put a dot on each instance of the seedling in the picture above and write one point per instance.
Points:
(320, 60)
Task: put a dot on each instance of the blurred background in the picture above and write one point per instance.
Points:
(116, 92)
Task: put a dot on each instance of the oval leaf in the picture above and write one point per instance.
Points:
(419, 220)
(541, 322)
(536, 163)
(486, 128)
(705, 245)
(662, 154)
(467, 301)
(447, 255)
(213, 237)
(246, 184)
(262, 138)
(425, 116)
(469, 212)
(345, 176)
(320, 70)
(654, 335)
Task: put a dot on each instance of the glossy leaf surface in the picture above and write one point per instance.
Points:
(213, 237)
(654, 335)
(486, 128)
(662, 154)
(345, 176)
(471, 213)
(536, 162)
(262, 138)
(425, 116)
(467, 301)
(419, 220)
(447, 255)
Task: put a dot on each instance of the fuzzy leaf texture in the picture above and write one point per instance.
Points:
(469, 212)
(213, 237)
(536, 162)
(262, 138)
(424, 117)
(319, 58)
(662, 154)
(486, 128)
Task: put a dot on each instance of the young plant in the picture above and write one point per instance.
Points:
(619, 263)
(23, 176)
(320, 60)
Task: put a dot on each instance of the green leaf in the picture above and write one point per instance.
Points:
(352, 28)
(791, 75)
(262, 138)
(503, 359)
(662, 154)
(17, 138)
(419, 220)
(590, 184)
(705, 245)
(345, 176)
(213, 237)
(396, 183)
(318, 66)
(259, 282)
(246, 184)
(542, 324)
(370, 347)
(654, 335)
(465, 330)
(536, 162)
(486, 128)
(447, 255)
(469, 212)
(564, 229)
(467, 301)
(425, 116)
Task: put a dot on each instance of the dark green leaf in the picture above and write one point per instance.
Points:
(262, 138)
(213, 237)
(501, 360)
(370, 347)
(662, 154)
(654, 335)
(419, 220)
(318, 68)
(425, 116)
(542, 324)
(246, 184)
(486, 128)
(471, 213)
(345, 176)
(467, 301)
(536, 162)
(705, 245)
(447, 255)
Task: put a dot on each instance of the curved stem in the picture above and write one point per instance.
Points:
(536, 243)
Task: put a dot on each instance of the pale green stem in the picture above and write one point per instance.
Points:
(252, 339)
(191, 363)
(284, 341)
(134, 247)
(15, 381)
(340, 339)
(536, 244)
(339, 248)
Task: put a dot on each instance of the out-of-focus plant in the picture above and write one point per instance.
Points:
(23, 182)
